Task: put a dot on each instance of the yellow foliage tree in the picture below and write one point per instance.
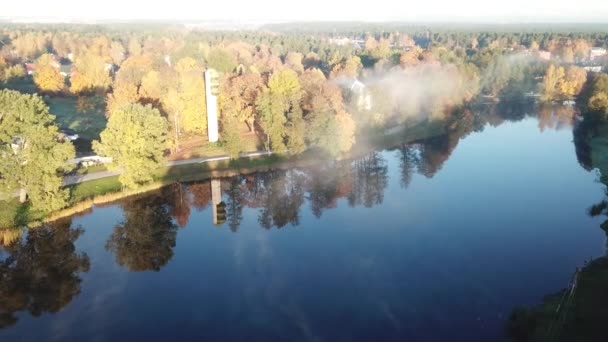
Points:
(47, 77)
(192, 86)
(553, 78)
(91, 74)
(563, 83)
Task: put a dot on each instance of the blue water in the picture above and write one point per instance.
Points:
(502, 222)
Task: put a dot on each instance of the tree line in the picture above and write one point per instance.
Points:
(291, 90)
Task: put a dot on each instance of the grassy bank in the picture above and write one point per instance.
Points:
(85, 195)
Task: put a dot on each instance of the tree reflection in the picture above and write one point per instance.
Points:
(234, 203)
(146, 238)
(279, 194)
(409, 160)
(41, 273)
(282, 200)
(555, 117)
(201, 194)
(370, 178)
(179, 203)
(326, 184)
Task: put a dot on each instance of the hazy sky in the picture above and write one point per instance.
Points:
(285, 10)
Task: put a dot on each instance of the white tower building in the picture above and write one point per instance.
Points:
(211, 92)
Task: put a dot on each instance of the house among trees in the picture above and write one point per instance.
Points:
(30, 68)
(359, 94)
(17, 144)
(544, 55)
(66, 70)
(596, 52)
(593, 68)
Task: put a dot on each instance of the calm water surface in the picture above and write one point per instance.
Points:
(433, 241)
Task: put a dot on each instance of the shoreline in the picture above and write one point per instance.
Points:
(199, 169)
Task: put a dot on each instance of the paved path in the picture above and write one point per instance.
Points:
(75, 179)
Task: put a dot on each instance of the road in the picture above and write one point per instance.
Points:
(76, 179)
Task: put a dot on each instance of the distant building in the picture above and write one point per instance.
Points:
(66, 70)
(17, 144)
(544, 55)
(340, 41)
(593, 68)
(359, 93)
(596, 52)
(569, 103)
(344, 41)
(30, 68)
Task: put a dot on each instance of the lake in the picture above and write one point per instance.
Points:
(437, 240)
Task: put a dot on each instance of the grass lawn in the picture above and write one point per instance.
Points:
(187, 172)
(83, 115)
(13, 213)
(195, 147)
(94, 188)
(91, 169)
(24, 85)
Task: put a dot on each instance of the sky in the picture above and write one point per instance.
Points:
(314, 10)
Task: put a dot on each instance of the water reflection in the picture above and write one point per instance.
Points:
(41, 273)
(280, 194)
(576, 312)
(145, 239)
(369, 179)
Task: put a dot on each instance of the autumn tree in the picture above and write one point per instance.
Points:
(553, 78)
(581, 48)
(117, 52)
(410, 57)
(574, 81)
(598, 99)
(47, 76)
(3, 66)
(231, 136)
(221, 60)
(134, 47)
(563, 83)
(238, 95)
(135, 138)
(90, 74)
(567, 54)
(281, 114)
(29, 45)
(14, 71)
(189, 97)
(126, 86)
(293, 60)
(33, 159)
(328, 125)
(378, 49)
(100, 47)
(348, 68)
